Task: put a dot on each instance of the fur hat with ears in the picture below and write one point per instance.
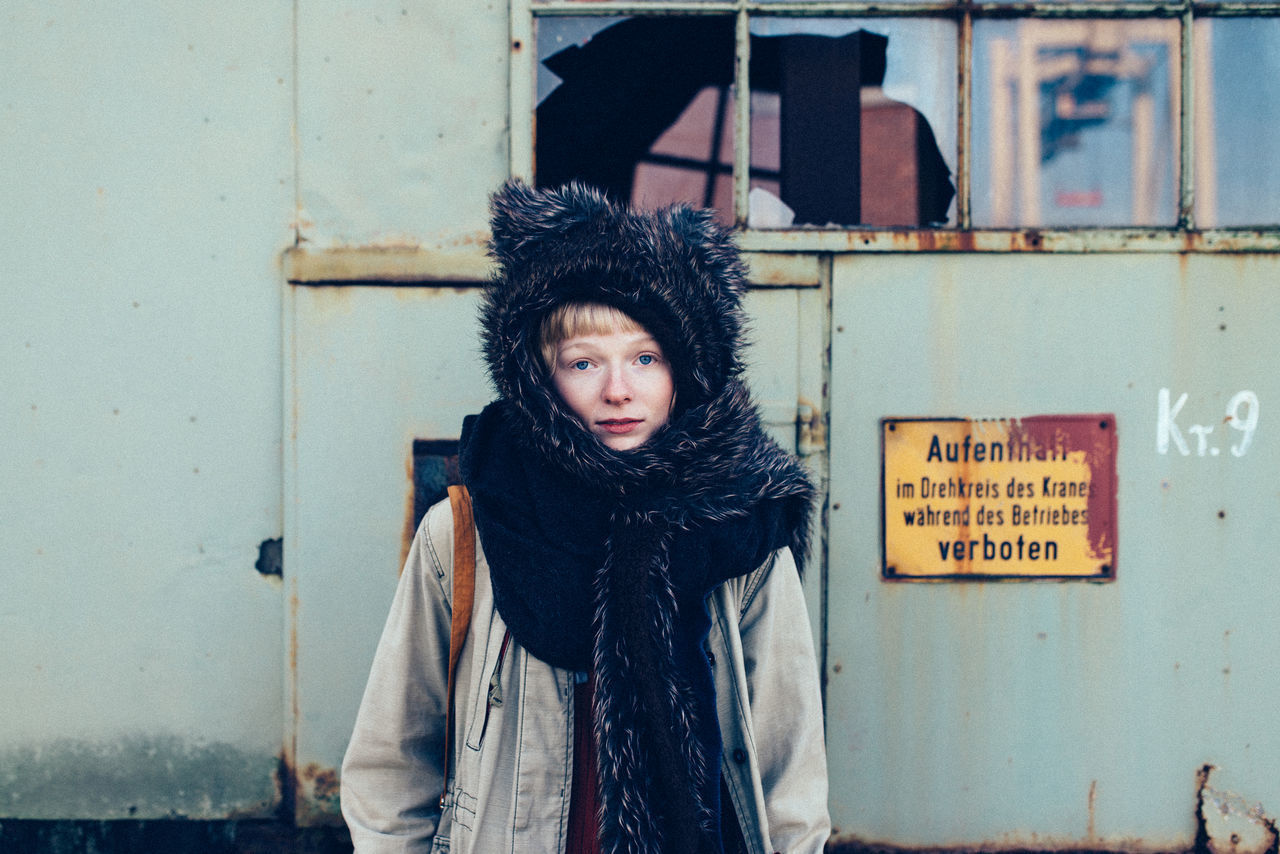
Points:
(675, 271)
(602, 560)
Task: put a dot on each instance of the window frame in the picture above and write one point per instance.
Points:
(1184, 236)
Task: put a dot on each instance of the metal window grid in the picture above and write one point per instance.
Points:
(1183, 237)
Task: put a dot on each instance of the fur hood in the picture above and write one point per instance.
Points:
(679, 274)
(602, 560)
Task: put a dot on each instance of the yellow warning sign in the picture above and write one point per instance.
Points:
(999, 498)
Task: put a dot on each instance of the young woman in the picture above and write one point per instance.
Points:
(639, 674)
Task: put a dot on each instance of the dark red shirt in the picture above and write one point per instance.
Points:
(584, 793)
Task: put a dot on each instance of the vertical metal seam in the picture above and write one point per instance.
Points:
(742, 116)
(964, 119)
(289, 472)
(290, 690)
(1187, 173)
(521, 73)
(826, 277)
(297, 136)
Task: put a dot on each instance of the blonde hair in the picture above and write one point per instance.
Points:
(580, 318)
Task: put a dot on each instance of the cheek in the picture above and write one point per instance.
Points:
(663, 396)
(574, 393)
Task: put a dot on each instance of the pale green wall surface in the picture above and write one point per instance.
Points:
(168, 403)
(1059, 714)
(402, 129)
(146, 162)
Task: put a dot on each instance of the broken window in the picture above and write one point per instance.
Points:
(638, 107)
(1075, 123)
(1238, 122)
(850, 115)
(1067, 120)
(645, 108)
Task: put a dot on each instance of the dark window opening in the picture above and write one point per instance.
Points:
(645, 110)
(435, 469)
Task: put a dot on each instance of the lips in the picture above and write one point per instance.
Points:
(619, 425)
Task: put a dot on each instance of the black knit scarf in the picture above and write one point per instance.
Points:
(613, 576)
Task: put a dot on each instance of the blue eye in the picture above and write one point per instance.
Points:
(581, 365)
(646, 359)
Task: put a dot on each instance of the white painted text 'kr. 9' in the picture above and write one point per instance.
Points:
(1242, 415)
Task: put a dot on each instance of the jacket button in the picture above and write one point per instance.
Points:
(739, 755)
(711, 658)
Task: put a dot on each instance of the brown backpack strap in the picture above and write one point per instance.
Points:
(464, 594)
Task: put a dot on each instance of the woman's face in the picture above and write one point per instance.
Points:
(618, 383)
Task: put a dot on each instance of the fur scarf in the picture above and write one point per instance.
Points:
(603, 559)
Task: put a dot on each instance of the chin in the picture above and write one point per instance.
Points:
(623, 443)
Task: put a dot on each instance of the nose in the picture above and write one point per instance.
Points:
(617, 388)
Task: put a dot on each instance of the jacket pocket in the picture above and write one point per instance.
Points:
(493, 699)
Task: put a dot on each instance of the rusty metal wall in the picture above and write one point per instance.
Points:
(174, 406)
(401, 137)
(147, 179)
(1072, 715)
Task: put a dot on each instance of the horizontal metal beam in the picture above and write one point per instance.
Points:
(1025, 240)
(775, 258)
(469, 265)
(922, 8)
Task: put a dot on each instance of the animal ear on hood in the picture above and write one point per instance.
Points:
(522, 217)
(673, 270)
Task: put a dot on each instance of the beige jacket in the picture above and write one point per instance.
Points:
(511, 762)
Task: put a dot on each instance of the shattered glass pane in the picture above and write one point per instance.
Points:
(644, 107)
(1075, 123)
(641, 107)
(1237, 122)
(852, 122)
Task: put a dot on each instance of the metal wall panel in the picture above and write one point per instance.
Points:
(401, 126)
(147, 171)
(1041, 715)
(371, 370)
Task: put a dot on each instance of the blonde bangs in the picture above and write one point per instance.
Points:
(580, 318)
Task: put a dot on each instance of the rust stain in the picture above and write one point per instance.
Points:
(406, 535)
(1029, 240)
(287, 788)
(294, 704)
(1095, 435)
(1202, 826)
(293, 627)
(310, 798)
(318, 797)
(1093, 810)
(324, 782)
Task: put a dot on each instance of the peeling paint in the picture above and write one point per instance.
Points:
(318, 795)
(137, 777)
(310, 798)
(1228, 823)
(271, 557)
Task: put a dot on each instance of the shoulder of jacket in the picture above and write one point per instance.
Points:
(745, 589)
(434, 540)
